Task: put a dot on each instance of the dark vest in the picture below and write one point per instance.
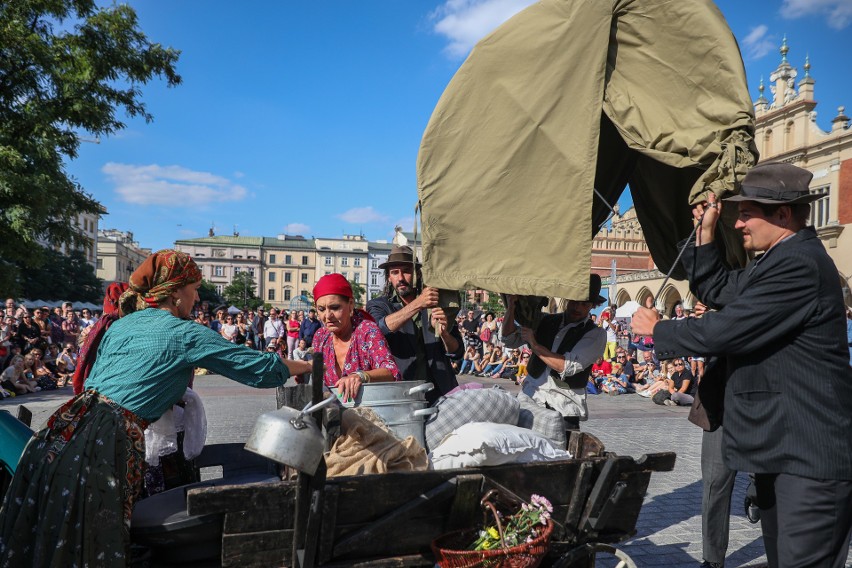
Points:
(545, 334)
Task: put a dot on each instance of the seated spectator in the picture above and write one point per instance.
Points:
(509, 368)
(495, 362)
(42, 375)
(522, 367)
(12, 379)
(681, 385)
(616, 382)
(627, 369)
(302, 352)
(14, 351)
(228, 330)
(27, 377)
(646, 358)
(66, 362)
(654, 380)
(8, 336)
(30, 332)
(470, 360)
(484, 360)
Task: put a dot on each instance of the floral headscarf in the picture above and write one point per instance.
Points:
(158, 276)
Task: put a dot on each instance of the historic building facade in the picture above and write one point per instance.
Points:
(118, 255)
(288, 270)
(220, 258)
(347, 255)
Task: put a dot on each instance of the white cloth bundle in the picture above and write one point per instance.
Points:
(161, 436)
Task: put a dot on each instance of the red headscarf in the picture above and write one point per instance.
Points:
(86, 359)
(336, 284)
(156, 278)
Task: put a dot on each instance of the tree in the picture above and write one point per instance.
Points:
(241, 291)
(358, 292)
(207, 293)
(62, 277)
(67, 67)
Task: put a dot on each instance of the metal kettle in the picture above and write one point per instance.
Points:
(290, 437)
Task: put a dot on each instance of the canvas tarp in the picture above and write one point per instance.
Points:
(568, 96)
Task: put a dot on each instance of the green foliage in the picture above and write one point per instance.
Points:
(358, 292)
(207, 293)
(494, 304)
(61, 277)
(67, 67)
(241, 292)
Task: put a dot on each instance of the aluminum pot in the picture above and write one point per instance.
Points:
(401, 405)
(371, 394)
(290, 437)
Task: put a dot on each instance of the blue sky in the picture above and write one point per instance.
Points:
(306, 117)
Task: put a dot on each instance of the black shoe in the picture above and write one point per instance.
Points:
(707, 564)
(752, 511)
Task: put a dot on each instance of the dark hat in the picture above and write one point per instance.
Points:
(400, 254)
(776, 183)
(594, 291)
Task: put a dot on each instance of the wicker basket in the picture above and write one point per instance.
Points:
(448, 554)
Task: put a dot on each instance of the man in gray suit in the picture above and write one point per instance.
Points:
(779, 328)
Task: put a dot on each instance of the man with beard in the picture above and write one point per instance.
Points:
(422, 344)
(564, 347)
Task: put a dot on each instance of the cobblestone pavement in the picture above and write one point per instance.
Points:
(669, 526)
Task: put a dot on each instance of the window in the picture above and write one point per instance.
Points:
(270, 294)
(219, 288)
(345, 275)
(327, 272)
(357, 277)
(304, 260)
(288, 276)
(100, 264)
(819, 208)
(357, 262)
(328, 261)
(236, 270)
(374, 279)
(287, 295)
(251, 272)
(304, 278)
(344, 261)
(272, 277)
(288, 259)
(272, 259)
(218, 271)
(374, 264)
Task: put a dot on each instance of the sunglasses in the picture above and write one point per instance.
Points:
(678, 364)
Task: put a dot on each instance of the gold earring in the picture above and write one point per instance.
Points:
(177, 302)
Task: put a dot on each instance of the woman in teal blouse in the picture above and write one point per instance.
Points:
(70, 501)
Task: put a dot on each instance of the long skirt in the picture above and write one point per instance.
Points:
(70, 501)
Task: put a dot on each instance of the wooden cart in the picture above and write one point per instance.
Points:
(391, 519)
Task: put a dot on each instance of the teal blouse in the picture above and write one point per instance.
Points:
(146, 359)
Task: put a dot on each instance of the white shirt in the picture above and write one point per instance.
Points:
(272, 329)
(611, 337)
(542, 388)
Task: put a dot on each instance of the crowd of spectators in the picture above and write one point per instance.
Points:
(628, 364)
(290, 334)
(39, 346)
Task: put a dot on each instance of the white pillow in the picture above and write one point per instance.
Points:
(486, 443)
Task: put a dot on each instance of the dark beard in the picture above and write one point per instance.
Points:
(410, 290)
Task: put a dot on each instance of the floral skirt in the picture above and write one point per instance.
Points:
(70, 501)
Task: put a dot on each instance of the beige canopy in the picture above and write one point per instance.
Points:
(566, 97)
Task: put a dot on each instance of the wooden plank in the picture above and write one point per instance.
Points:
(260, 549)
(431, 502)
(664, 461)
(303, 499)
(412, 560)
(412, 537)
(226, 498)
(329, 523)
(312, 528)
(259, 520)
(465, 505)
(577, 502)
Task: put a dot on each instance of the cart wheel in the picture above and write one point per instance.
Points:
(590, 554)
(597, 548)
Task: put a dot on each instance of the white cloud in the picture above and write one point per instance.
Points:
(465, 22)
(296, 229)
(757, 44)
(360, 215)
(838, 12)
(170, 185)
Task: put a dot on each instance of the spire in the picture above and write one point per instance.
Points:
(784, 49)
(807, 65)
(762, 103)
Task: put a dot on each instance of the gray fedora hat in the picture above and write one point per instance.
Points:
(400, 254)
(775, 183)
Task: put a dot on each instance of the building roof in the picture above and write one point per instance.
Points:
(223, 240)
(380, 247)
(289, 242)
